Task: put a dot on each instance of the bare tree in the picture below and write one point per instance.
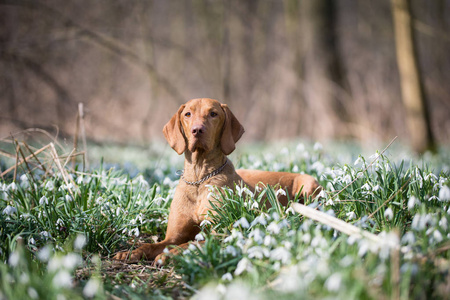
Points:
(417, 116)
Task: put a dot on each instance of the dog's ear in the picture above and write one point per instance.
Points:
(173, 132)
(232, 131)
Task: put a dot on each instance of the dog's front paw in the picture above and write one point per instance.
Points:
(128, 256)
(163, 258)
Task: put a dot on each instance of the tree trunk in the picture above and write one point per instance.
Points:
(413, 96)
(322, 73)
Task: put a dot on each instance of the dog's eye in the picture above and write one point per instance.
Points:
(213, 114)
(187, 115)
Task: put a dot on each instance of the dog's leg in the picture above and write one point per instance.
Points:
(181, 228)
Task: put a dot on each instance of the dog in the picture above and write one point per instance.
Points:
(206, 131)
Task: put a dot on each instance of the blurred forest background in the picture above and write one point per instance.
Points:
(295, 68)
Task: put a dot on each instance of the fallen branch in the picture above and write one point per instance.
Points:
(18, 163)
(61, 169)
(334, 223)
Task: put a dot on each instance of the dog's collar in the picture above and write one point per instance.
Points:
(198, 182)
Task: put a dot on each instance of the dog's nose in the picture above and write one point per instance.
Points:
(198, 130)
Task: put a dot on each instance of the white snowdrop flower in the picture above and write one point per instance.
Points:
(79, 179)
(274, 228)
(363, 247)
(288, 245)
(24, 278)
(443, 223)
(259, 220)
(290, 210)
(275, 216)
(159, 200)
(192, 247)
(208, 292)
(62, 279)
(68, 198)
(12, 187)
(300, 148)
(80, 242)
(72, 260)
(390, 240)
(32, 241)
(45, 234)
(205, 222)
(269, 240)
(358, 160)
(243, 265)
(32, 293)
(306, 238)
(227, 277)
(248, 192)
(377, 188)
(367, 187)
(444, 194)
(239, 190)
(419, 178)
(257, 252)
(211, 196)
(235, 234)
(59, 222)
(295, 169)
(373, 156)
(322, 194)
(24, 178)
(135, 231)
(318, 166)
(433, 198)
(431, 177)
(412, 202)
(280, 192)
(255, 205)
(44, 254)
(437, 236)
(9, 210)
(317, 241)
(14, 259)
(242, 222)
(346, 179)
(415, 222)
(257, 235)
(389, 214)
(318, 146)
(329, 202)
(167, 181)
(199, 237)
(231, 250)
(91, 288)
(346, 261)
(408, 238)
(333, 283)
(351, 215)
(281, 254)
(43, 200)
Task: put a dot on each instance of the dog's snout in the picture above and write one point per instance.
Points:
(198, 130)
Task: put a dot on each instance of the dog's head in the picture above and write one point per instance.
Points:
(203, 124)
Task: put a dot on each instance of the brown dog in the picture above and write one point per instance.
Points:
(206, 132)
